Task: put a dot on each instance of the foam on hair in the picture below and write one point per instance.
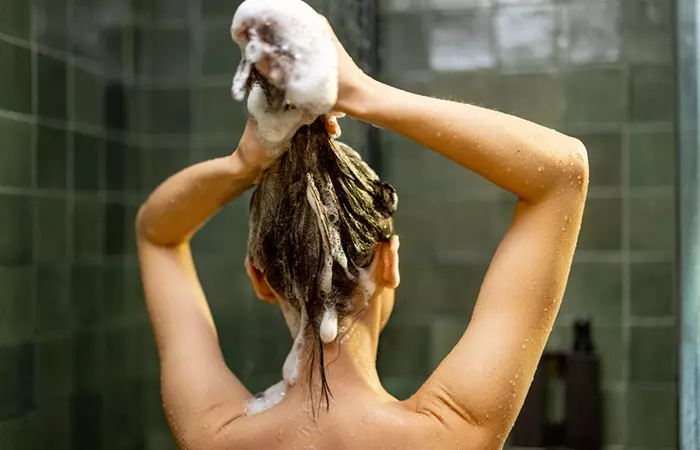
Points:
(319, 211)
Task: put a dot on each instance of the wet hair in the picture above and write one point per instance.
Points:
(316, 218)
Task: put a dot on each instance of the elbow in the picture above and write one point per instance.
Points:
(576, 169)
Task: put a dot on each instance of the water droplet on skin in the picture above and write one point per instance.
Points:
(540, 169)
(523, 346)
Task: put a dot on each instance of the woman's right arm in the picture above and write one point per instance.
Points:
(485, 379)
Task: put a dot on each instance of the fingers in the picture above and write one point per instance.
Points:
(332, 126)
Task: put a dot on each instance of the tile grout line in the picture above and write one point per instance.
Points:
(626, 280)
(34, 170)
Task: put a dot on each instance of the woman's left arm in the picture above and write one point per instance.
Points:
(200, 394)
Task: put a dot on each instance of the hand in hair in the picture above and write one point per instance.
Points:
(252, 154)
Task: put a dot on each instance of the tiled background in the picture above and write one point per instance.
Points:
(100, 100)
(689, 192)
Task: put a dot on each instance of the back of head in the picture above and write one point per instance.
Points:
(316, 218)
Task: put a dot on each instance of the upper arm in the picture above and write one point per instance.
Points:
(200, 393)
(485, 378)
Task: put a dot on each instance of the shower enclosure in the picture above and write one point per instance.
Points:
(100, 100)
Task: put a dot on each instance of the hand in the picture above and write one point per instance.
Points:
(350, 76)
(251, 154)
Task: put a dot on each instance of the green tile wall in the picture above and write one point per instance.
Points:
(602, 71)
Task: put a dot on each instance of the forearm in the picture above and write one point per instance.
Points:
(186, 200)
(524, 158)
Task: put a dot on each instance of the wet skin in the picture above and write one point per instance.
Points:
(473, 397)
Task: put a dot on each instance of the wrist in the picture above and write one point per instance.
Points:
(241, 168)
(355, 99)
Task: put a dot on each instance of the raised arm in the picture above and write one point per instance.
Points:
(200, 394)
(485, 379)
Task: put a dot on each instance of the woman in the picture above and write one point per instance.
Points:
(337, 305)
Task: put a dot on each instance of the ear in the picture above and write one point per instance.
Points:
(260, 284)
(390, 261)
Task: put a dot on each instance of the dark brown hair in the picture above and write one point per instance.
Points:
(316, 216)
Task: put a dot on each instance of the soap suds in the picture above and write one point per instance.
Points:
(290, 369)
(329, 326)
(293, 29)
(271, 397)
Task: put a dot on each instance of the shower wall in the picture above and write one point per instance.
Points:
(689, 172)
(602, 71)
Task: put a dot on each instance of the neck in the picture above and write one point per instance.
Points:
(350, 362)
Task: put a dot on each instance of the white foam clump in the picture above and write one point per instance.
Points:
(329, 326)
(275, 128)
(312, 78)
(271, 397)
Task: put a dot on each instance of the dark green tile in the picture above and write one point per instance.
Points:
(221, 54)
(652, 417)
(479, 88)
(465, 228)
(609, 344)
(17, 318)
(460, 286)
(122, 427)
(594, 290)
(16, 373)
(138, 109)
(50, 23)
(171, 9)
(113, 279)
(133, 288)
(88, 153)
(652, 93)
(604, 157)
(116, 355)
(401, 31)
(115, 232)
(391, 363)
(18, 433)
(134, 170)
(88, 228)
(602, 225)
(648, 30)
(53, 305)
(164, 163)
(88, 366)
(652, 158)
(15, 77)
(15, 159)
(614, 416)
(231, 221)
(86, 291)
(88, 97)
(51, 158)
(594, 96)
(53, 378)
(165, 54)
(535, 97)
(445, 333)
(115, 166)
(652, 224)
(219, 113)
(171, 111)
(87, 421)
(15, 229)
(130, 212)
(217, 9)
(15, 18)
(54, 427)
(653, 354)
(116, 106)
(652, 289)
(51, 234)
(402, 387)
(51, 85)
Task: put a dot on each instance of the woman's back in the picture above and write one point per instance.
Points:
(355, 421)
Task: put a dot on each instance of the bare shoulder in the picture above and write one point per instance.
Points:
(395, 425)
